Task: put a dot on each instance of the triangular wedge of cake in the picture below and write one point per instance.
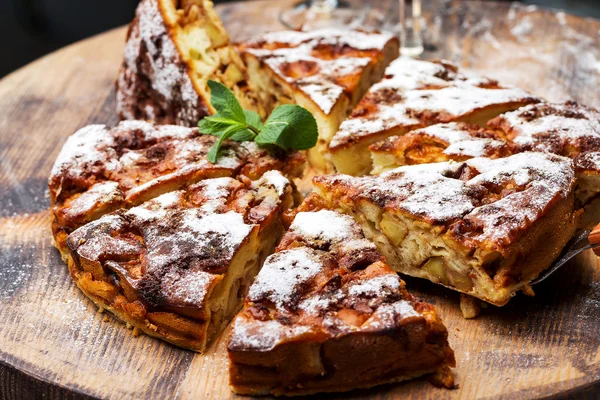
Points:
(325, 71)
(100, 169)
(415, 94)
(484, 227)
(456, 141)
(173, 48)
(327, 314)
(568, 129)
(177, 267)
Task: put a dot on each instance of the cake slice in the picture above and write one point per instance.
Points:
(100, 170)
(325, 71)
(482, 227)
(178, 267)
(456, 141)
(173, 48)
(414, 95)
(567, 129)
(327, 314)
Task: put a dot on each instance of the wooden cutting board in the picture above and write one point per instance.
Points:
(54, 344)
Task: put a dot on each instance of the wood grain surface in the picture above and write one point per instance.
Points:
(54, 344)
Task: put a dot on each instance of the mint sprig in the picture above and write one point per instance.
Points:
(289, 127)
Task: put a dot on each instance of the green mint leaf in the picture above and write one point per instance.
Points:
(253, 119)
(215, 124)
(213, 154)
(224, 101)
(243, 135)
(289, 127)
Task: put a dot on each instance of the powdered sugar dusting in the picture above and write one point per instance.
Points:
(322, 85)
(331, 36)
(324, 225)
(461, 141)
(282, 274)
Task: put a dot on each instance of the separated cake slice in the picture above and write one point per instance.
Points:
(567, 129)
(325, 71)
(483, 227)
(456, 141)
(100, 170)
(178, 266)
(430, 93)
(173, 48)
(327, 314)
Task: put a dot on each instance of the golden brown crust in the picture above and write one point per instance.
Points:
(101, 169)
(454, 141)
(415, 94)
(170, 266)
(325, 71)
(172, 49)
(315, 316)
(484, 227)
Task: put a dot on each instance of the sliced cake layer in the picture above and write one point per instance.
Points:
(177, 267)
(567, 129)
(101, 169)
(326, 314)
(455, 141)
(483, 227)
(173, 48)
(325, 71)
(415, 94)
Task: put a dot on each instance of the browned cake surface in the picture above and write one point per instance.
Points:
(177, 266)
(567, 129)
(455, 141)
(172, 49)
(412, 95)
(490, 214)
(327, 314)
(324, 64)
(101, 169)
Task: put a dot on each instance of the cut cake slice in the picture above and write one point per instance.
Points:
(325, 71)
(482, 227)
(178, 267)
(327, 314)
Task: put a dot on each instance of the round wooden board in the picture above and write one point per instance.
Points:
(53, 343)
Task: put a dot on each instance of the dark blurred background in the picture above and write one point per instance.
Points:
(32, 28)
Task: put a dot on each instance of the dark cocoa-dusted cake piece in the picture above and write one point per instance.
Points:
(177, 267)
(327, 314)
(484, 227)
(100, 169)
(568, 129)
(415, 94)
(456, 141)
(173, 48)
(326, 71)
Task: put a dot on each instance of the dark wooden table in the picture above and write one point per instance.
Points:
(54, 344)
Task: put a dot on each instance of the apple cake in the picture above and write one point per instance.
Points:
(178, 267)
(100, 170)
(325, 71)
(327, 314)
(456, 141)
(413, 95)
(173, 48)
(567, 129)
(484, 227)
